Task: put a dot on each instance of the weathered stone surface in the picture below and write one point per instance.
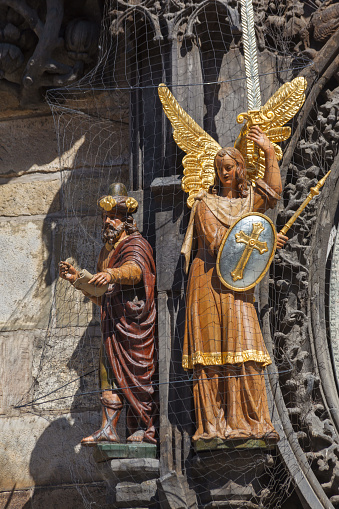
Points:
(172, 493)
(73, 309)
(83, 143)
(16, 360)
(82, 189)
(29, 198)
(39, 451)
(61, 497)
(79, 243)
(80, 239)
(89, 141)
(25, 286)
(333, 307)
(64, 355)
(135, 494)
(108, 104)
(129, 469)
(8, 104)
(234, 491)
(32, 140)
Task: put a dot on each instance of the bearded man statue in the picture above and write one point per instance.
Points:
(126, 277)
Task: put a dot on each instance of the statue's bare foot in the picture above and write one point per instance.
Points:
(105, 434)
(137, 436)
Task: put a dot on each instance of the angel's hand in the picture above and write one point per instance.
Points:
(281, 240)
(100, 279)
(259, 137)
(68, 272)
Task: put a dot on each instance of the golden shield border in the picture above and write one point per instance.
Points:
(234, 288)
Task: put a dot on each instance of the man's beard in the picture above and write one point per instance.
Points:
(110, 235)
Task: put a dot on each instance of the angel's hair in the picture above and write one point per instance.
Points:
(240, 174)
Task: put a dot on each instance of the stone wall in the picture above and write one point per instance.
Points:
(43, 321)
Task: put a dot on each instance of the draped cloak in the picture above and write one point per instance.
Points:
(223, 343)
(128, 327)
(221, 325)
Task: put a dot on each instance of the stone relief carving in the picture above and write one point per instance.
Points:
(325, 21)
(40, 47)
(179, 17)
(303, 386)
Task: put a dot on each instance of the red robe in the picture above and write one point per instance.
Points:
(128, 327)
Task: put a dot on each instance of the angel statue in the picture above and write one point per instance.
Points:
(223, 343)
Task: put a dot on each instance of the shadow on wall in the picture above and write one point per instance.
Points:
(57, 457)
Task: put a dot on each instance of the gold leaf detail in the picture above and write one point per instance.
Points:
(199, 146)
(107, 203)
(278, 134)
(286, 102)
(278, 110)
(131, 204)
(218, 358)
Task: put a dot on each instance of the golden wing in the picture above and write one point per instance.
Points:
(278, 110)
(199, 146)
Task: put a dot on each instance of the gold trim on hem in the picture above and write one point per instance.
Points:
(218, 359)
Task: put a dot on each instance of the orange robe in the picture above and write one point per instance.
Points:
(223, 341)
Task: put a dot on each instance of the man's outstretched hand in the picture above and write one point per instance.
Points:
(68, 272)
(281, 240)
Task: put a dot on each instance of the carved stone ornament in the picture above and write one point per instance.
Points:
(31, 38)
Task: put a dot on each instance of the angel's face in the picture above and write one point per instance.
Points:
(227, 169)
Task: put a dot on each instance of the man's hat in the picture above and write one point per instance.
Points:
(118, 199)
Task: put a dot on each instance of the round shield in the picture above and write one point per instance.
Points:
(246, 252)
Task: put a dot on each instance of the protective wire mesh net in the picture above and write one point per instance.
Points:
(110, 129)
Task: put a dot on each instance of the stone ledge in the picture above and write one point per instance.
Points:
(134, 469)
(106, 451)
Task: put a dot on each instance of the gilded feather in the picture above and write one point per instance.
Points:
(286, 102)
(277, 134)
(278, 110)
(199, 146)
(186, 130)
